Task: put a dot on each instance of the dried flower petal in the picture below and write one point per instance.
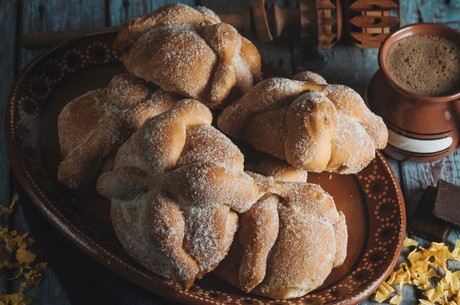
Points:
(396, 300)
(16, 256)
(383, 293)
(409, 242)
(427, 270)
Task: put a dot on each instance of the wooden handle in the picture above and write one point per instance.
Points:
(268, 23)
(320, 22)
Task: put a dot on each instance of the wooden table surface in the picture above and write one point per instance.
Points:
(343, 64)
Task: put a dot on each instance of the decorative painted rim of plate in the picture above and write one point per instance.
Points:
(35, 83)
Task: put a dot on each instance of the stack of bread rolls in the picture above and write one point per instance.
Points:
(182, 202)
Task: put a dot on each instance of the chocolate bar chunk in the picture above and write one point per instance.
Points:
(424, 224)
(447, 203)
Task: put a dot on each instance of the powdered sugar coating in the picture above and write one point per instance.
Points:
(288, 241)
(93, 126)
(191, 53)
(351, 103)
(343, 159)
(267, 95)
(199, 137)
(297, 120)
(175, 57)
(139, 224)
(166, 15)
(178, 158)
(208, 239)
(310, 77)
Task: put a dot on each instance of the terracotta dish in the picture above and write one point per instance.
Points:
(371, 199)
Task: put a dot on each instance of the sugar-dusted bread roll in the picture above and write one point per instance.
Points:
(175, 188)
(92, 127)
(288, 242)
(190, 52)
(313, 125)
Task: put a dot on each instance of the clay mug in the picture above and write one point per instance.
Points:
(421, 128)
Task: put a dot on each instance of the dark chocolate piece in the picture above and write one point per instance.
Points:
(447, 203)
(424, 224)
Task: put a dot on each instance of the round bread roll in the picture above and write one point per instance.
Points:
(190, 52)
(310, 124)
(288, 242)
(175, 188)
(93, 126)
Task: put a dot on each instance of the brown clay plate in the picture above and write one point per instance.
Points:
(371, 199)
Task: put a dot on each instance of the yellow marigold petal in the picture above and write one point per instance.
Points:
(24, 256)
(409, 242)
(16, 256)
(431, 273)
(434, 295)
(415, 256)
(456, 251)
(455, 283)
(383, 292)
(396, 300)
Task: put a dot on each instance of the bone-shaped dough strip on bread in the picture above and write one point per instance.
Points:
(218, 223)
(168, 157)
(258, 233)
(318, 130)
(190, 52)
(288, 241)
(93, 126)
(175, 57)
(225, 42)
(277, 92)
(311, 126)
(280, 170)
(164, 215)
(171, 14)
(169, 128)
(349, 102)
(341, 238)
(210, 185)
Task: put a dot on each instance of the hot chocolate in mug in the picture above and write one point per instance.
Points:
(417, 91)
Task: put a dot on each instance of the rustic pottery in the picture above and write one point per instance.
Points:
(421, 128)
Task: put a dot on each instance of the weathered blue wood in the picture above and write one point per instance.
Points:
(447, 12)
(46, 16)
(123, 10)
(417, 176)
(7, 59)
(8, 12)
(343, 64)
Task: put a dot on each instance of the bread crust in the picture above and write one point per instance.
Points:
(189, 179)
(288, 242)
(310, 124)
(93, 126)
(190, 52)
